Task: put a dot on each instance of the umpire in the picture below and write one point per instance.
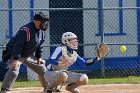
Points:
(25, 48)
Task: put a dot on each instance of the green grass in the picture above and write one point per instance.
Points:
(18, 84)
(124, 80)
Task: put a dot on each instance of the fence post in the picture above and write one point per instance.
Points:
(102, 35)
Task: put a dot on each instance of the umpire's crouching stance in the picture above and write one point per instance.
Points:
(25, 48)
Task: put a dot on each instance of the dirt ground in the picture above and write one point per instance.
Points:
(107, 88)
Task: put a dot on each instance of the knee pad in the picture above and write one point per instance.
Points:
(83, 79)
(62, 77)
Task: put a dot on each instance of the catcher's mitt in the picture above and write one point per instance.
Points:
(102, 50)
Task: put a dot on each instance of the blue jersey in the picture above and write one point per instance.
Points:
(56, 57)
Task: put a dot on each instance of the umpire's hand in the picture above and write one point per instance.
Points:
(15, 64)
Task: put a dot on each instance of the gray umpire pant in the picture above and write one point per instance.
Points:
(30, 62)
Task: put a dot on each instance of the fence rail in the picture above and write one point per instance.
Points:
(44, 9)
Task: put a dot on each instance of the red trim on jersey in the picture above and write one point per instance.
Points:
(28, 33)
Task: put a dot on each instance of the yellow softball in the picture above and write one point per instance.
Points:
(123, 48)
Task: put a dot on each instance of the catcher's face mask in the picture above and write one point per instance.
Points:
(44, 25)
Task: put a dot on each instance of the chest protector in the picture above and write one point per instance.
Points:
(66, 55)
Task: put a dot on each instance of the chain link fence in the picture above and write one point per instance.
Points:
(115, 22)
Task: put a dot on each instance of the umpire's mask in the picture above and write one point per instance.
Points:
(39, 16)
(44, 25)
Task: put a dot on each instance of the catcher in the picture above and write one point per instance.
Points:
(59, 61)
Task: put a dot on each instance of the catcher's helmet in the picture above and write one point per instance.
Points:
(40, 16)
(65, 39)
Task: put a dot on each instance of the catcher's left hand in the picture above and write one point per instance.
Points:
(102, 51)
